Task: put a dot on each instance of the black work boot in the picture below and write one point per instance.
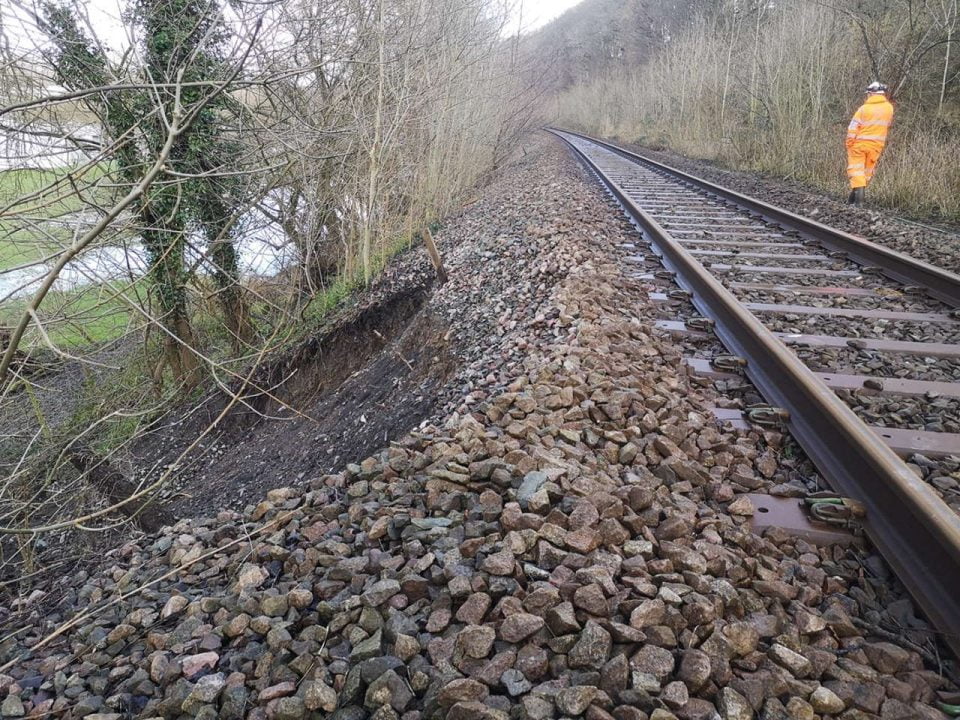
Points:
(853, 197)
(856, 197)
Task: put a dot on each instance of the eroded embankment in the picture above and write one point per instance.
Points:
(329, 401)
(563, 541)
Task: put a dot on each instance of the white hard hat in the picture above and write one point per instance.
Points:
(876, 87)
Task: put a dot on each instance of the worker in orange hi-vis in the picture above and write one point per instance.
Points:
(866, 136)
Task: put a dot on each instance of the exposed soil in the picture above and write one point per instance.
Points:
(330, 401)
(565, 534)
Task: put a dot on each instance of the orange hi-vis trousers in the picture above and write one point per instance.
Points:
(861, 162)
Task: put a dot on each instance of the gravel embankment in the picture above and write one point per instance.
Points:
(567, 540)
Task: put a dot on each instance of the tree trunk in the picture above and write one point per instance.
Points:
(230, 294)
(179, 354)
(374, 170)
(168, 275)
(236, 317)
(946, 68)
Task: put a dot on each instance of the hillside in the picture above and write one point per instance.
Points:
(769, 87)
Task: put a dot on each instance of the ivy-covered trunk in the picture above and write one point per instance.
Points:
(165, 249)
(218, 225)
(233, 305)
(182, 49)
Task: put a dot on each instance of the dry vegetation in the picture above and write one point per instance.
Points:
(771, 86)
(174, 214)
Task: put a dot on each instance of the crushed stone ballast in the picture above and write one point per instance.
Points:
(690, 222)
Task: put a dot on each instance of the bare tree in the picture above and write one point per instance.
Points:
(202, 193)
(768, 85)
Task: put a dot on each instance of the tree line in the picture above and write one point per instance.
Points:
(136, 176)
(771, 86)
(349, 124)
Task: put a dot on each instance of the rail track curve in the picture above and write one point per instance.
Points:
(689, 223)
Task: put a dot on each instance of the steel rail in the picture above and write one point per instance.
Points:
(941, 284)
(911, 527)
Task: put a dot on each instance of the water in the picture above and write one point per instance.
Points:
(264, 248)
(264, 251)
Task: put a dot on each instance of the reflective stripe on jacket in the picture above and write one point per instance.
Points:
(872, 121)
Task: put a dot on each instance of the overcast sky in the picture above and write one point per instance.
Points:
(105, 17)
(539, 12)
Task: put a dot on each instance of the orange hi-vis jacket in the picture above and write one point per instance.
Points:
(871, 122)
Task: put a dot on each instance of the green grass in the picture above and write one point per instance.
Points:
(329, 299)
(31, 199)
(23, 181)
(19, 242)
(54, 187)
(16, 250)
(345, 284)
(88, 316)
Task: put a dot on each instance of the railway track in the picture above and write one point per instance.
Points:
(855, 347)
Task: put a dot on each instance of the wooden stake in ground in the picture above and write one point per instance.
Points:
(434, 255)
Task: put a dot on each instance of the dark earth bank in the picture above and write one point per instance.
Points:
(562, 534)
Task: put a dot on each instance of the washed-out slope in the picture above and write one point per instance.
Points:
(564, 540)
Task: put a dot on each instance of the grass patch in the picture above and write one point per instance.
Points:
(88, 316)
(36, 206)
(37, 219)
(346, 283)
(62, 189)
